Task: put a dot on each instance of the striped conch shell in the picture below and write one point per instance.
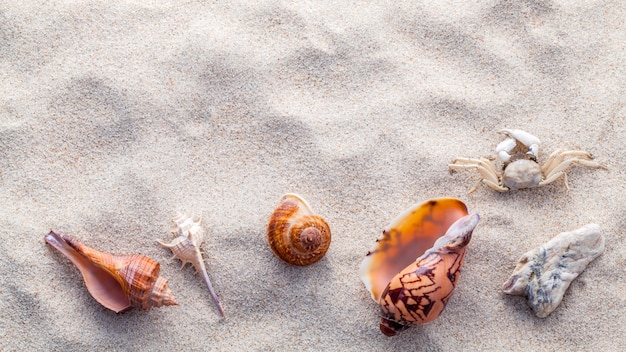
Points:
(118, 282)
(186, 247)
(295, 234)
(415, 291)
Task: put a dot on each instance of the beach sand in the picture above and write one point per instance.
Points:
(116, 116)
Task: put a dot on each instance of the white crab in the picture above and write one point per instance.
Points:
(518, 153)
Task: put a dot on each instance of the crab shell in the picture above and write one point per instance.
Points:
(522, 173)
(414, 291)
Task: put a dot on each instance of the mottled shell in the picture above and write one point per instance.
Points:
(118, 282)
(415, 291)
(186, 247)
(295, 234)
(545, 273)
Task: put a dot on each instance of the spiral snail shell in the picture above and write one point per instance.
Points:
(118, 282)
(295, 234)
(414, 291)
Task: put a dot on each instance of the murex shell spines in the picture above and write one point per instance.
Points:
(295, 234)
(186, 247)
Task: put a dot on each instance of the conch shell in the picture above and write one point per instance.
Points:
(415, 291)
(186, 247)
(118, 282)
(295, 234)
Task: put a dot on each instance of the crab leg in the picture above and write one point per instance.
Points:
(559, 169)
(556, 159)
(555, 176)
(483, 165)
(495, 186)
(552, 160)
(490, 176)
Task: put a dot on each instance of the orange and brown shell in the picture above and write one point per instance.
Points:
(118, 282)
(295, 234)
(414, 291)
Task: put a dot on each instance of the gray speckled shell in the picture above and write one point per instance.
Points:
(544, 274)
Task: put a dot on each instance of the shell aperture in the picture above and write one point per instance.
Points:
(414, 267)
(118, 282)
(406, 238)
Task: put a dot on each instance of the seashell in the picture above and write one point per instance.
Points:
(118, 282)
(295, 234)
(414, 291)
(544, 273)
(186, 247)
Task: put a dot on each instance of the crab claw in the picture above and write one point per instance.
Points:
(533, 151)
(523, 137)
(504, 149)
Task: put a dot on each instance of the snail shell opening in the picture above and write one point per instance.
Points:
(390, 327)
(415, 291)
(118, 282)
(406, 238)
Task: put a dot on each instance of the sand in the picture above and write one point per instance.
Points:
(116, 116)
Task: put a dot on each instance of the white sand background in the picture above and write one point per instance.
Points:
(116, 115)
